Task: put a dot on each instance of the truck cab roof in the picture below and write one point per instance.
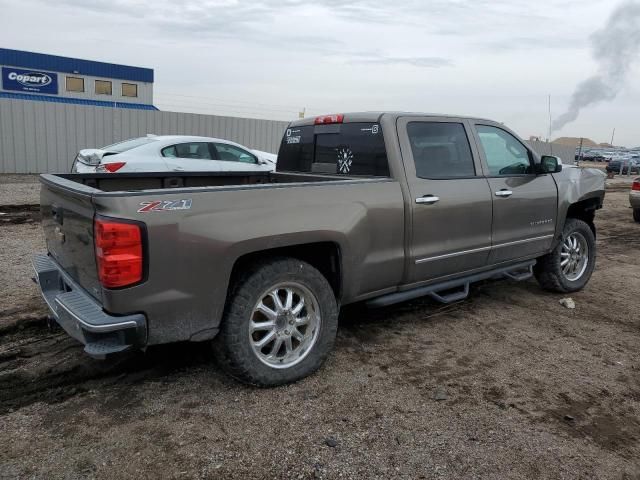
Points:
(376, 116)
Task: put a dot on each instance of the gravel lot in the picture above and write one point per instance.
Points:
(507, 384)
(19, 190)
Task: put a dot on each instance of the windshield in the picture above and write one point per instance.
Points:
(129, 144)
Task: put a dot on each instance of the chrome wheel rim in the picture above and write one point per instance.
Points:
(574, 256)
(284, 325)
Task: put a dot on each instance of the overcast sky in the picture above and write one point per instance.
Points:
(498, 59)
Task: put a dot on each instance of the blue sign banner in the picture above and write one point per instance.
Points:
(29, 81)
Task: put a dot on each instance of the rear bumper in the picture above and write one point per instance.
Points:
(634, 199)
(82, 317)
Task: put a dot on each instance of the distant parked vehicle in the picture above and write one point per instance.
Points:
(623, 165)
(593, 155)
(634, 199)
(178, 153)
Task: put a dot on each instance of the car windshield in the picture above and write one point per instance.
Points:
(129, 144)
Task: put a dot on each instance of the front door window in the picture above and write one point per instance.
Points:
(231, 153)
(504, 153)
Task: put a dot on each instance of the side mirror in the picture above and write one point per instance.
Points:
(550, 164)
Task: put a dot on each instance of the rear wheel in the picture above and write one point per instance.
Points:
(280, 323)
(569, 267)
(636, 214)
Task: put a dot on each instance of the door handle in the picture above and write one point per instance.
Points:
(504, 193)
(428, 199)
(178, 169)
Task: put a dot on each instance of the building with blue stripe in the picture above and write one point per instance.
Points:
(51, 78)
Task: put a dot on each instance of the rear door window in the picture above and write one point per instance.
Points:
(440, 150)
(196, 150)
(343, 149)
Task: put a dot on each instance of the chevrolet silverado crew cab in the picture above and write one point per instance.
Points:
(363, 207)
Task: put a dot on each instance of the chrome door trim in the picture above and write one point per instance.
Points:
(526, 240)
(454, 254)
(482, 249)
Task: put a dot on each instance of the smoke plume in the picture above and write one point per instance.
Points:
(614, 47)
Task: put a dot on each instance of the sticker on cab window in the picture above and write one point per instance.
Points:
(345, 159)
(293, 139)
(374, 129)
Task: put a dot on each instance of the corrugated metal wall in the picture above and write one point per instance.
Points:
(38, 137)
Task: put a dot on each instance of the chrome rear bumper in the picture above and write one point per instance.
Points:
(82, 317)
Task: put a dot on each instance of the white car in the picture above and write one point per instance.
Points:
(173, 153)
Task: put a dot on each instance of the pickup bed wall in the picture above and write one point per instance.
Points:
(191, 252)
(128, 182)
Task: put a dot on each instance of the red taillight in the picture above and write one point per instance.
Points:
(113, 167)
(326, 119)
(118, 253)
(636, 185)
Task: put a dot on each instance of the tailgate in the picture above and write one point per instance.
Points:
(67, 219)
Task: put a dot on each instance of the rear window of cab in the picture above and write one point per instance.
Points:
(344, 149)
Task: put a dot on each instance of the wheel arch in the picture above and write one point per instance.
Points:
(585, 210)
(325, 256)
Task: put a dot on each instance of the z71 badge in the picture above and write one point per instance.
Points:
(164, 205)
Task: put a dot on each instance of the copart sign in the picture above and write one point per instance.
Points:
(29, 81)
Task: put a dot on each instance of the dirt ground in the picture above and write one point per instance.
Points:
(19, 190)
(506, 384)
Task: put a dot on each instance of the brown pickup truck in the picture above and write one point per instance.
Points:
(363, 207)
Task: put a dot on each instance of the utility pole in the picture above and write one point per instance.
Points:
(549, 118)
(580, 151)
(612, 135)
(549, 140)
(301, 113)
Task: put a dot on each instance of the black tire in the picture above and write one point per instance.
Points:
(636, 214)
(548, 270)
(232, 346)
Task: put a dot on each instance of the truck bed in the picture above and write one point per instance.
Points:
(196, 227)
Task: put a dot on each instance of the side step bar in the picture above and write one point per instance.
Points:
(441, 292)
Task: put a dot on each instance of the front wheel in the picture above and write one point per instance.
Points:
(279, 325)
(569, 266)
(636, 214)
